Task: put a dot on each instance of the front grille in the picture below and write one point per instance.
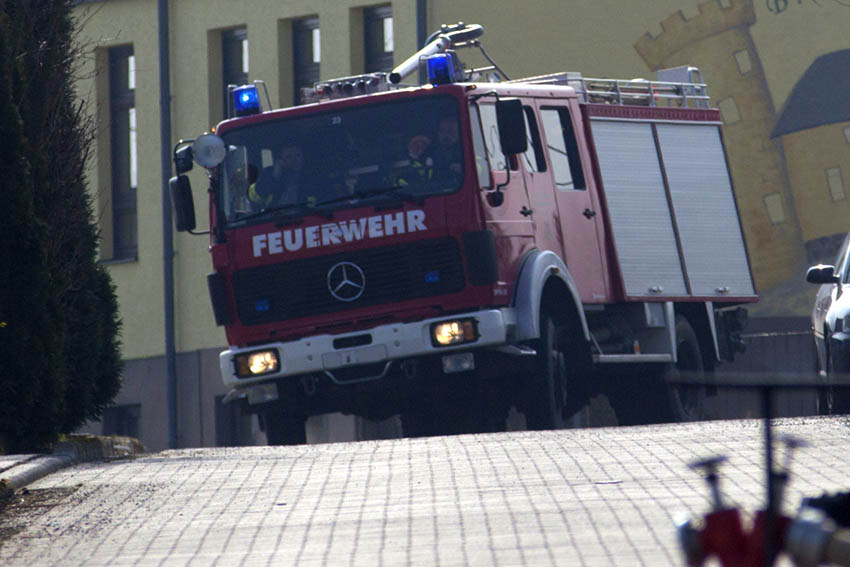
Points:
(395, 273)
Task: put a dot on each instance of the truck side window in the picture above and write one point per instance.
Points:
(490, 128)
(563, 148)
(482, 166)
(535, 160)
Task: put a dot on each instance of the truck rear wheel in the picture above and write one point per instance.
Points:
(647, 393)
(687, 403)
(282, 428)
(546, 404)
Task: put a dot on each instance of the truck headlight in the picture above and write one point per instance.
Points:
(449, 333)
(257, 363)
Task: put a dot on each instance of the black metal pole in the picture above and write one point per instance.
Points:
(770, 509)
(167, 233)
(421, 31)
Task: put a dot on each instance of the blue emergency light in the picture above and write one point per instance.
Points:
(246, 100)
(441, 69)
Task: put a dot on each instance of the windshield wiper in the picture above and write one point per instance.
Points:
(395, 191)
(268, 211)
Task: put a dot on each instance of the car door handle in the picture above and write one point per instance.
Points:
(525, 211)
(588, 213)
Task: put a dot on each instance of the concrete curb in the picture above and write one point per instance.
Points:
(71, 450)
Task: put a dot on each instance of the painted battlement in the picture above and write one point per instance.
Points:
(715, 16)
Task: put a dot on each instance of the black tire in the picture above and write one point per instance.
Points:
(546, 404)
(638, 393)
(643, 393)
(282, 428)
(837, 399)
(687, 403)
(841, 402)
(826, 393)
(419, 422)
(429, 421)
(467, 407)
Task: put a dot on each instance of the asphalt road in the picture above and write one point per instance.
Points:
(598, 496)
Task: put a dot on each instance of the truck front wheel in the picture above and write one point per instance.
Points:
(546, 402)
(282, 428)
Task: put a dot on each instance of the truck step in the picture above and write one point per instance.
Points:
(516, 350)
(631, 358)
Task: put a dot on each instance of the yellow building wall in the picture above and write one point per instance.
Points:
(811, 154)
(138, 283)
(195, 27)
(597, 38)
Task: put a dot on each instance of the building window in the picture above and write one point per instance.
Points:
(378, 36)
(745, 64)
(835, 183)
(122, 420)
(234, 61)
(124, 157)
(775, 210)
(307, 54)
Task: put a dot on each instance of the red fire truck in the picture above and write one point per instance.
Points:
(449, 250)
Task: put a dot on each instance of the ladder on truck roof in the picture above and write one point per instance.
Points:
(676, 87)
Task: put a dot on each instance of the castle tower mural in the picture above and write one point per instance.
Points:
(718, 41)
(814, 127)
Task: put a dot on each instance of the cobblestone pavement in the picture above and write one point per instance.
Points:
(602, 496)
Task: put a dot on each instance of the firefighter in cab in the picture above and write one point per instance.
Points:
(432, 163)
(281, 183)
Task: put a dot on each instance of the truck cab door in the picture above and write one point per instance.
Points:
(504, 200)
(537, 174)
(578, 208)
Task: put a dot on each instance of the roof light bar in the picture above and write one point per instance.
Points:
(246, 100)
(441, 68)
(346, 87)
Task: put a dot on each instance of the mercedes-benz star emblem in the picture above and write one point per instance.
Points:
(346, 281)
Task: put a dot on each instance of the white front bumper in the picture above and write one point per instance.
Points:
(388, 342)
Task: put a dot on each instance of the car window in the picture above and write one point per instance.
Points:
(841, 260)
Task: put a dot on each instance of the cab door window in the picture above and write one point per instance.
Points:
(563, 148)
(490, 130)
(482, 165)
(535, 161)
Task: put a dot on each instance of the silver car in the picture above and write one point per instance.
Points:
(831, 329)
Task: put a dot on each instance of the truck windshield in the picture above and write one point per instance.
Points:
(398, 150)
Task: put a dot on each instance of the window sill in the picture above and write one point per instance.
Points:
(113, 261)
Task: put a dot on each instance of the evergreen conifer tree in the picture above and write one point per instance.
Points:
(81, 307)
(30, 381)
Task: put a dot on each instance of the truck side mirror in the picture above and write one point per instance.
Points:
(183, 159)
(184, 205)
(822, 274)
(511, 120)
